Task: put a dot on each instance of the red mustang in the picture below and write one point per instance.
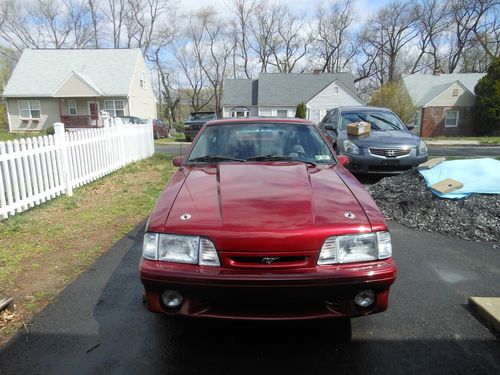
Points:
(262, 221)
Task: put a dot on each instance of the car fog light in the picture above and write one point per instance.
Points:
(365, 298)
(171, 298)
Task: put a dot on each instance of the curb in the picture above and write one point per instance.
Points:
(488, 308)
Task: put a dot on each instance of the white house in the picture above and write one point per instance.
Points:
(74, 85)
(278, 94)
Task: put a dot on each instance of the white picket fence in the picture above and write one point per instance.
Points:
(35, 170)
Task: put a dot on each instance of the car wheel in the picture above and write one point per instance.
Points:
(157, 135)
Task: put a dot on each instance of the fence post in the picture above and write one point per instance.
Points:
(60, 139)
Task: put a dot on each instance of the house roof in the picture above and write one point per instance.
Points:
(425, 87)
(287, 89)
(291, 89)
(39, 73)
(241, 92)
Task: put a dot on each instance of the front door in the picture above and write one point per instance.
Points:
(94, 109)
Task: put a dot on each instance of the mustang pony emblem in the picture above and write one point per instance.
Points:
(185, 216)
(269, 260)
(350, 215)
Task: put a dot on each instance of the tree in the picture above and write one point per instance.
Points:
(394, 96)
(487, 90)
(301, 110)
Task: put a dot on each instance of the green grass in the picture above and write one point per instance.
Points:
(46, 247)
(178, 138)
(6, 136)
(482, 140)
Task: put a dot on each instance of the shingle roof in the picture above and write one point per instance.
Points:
(291, 89)
(39, 73)
(240, 92)
(425, 87)
(281, 88)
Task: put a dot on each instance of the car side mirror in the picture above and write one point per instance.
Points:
(177, 161)
(329, 127)
(343, 160)
(410, 126)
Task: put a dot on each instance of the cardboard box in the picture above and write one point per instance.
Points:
(447, 186)
(431, 163)
(358, 128)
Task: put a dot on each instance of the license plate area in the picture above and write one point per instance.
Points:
(390, 162)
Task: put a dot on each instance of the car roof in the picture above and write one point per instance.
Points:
(260, 120)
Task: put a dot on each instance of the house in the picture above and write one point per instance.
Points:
(444, 102)
(278, 94)
(74, 86)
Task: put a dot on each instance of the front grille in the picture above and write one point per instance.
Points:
(390, 152)
(268, 261)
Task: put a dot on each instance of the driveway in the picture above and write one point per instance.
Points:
(99, 325)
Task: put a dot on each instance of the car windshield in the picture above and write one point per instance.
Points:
(201, 116)
(261, 142)
(379, 120)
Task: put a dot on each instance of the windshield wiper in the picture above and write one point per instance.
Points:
(278, 158)
(213, 158)
(387, 122)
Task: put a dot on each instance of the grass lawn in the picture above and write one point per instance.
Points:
(482, 140)
(6, 136)
(44, 249)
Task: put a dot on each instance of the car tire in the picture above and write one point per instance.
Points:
(157, 135)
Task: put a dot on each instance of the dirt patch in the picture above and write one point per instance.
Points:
(407, 200)
(44, 249)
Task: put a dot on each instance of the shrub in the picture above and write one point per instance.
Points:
(394, 96)
(301, 110)
(487, 111)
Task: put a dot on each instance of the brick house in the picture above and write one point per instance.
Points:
(444, 103)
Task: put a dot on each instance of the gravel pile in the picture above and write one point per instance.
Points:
(407, 200)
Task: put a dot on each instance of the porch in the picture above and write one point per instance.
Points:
(79, 112)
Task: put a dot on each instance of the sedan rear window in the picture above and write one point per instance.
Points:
(261, 142)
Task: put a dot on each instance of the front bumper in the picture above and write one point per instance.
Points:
(320, 292)
(365, 162)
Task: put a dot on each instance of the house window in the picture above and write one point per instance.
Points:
(282, 113)
(335, 90)
(451, 119)
(455, 92)
(72, 107)
(114, 108)
(142, 79)
(240, 114)
(29, 109)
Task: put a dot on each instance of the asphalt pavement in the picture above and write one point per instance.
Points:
(98, 324)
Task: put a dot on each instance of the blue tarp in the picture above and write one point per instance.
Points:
(480, 176)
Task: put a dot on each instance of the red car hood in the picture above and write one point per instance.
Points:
(262, 205)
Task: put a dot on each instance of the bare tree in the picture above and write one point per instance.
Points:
(388, 32)
(432, 21)
(333, 44)
(293, 41)
(264, 30)
(243, 11)
(96, 18)
(466, 15)
(212, 45)
(115, 14)
(195, 75)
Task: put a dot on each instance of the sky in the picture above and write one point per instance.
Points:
(363, 7)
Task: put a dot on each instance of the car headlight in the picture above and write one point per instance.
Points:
(180, 249)
(355, 248)
(422, 148)
(350, 147)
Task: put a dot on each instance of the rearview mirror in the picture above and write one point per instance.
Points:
(177, 161)
(343, 160)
